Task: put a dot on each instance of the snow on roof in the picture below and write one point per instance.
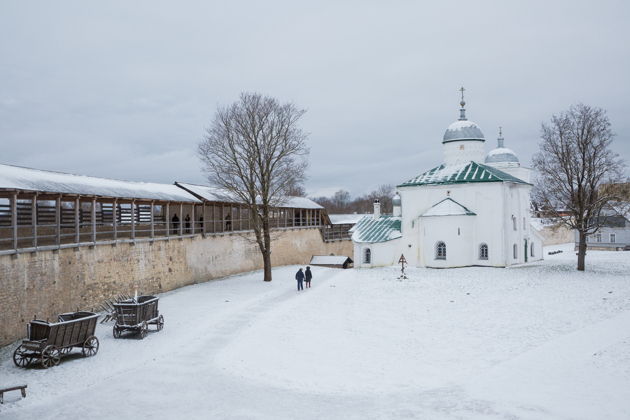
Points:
(27, 179)
(345, 219)
(216, 194)
(329, 259)
(461, 173)
(383, 229)
(448, 207)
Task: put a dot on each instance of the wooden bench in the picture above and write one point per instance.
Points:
(13, 388)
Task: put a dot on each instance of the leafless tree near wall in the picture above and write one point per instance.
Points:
(256, 152)
(574, 162)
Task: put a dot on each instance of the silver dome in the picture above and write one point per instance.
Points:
(501, 155)
(463, 130)
(396, 200)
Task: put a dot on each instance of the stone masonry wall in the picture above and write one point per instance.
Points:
(47, 283)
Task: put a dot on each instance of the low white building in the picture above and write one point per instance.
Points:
(460, 213)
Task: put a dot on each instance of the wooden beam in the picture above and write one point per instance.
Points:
(133, 220)
(181, 219)
(168, 220)
(115, 219)
(14, 218)
(192, 220)
(58, 220)
(204, 225)
(34, 220)
(77, 220)
(93, 219)
(152, 225)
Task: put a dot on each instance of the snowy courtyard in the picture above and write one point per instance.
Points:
(537, 341)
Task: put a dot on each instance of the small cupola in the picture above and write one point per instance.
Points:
(377, 209)
(397, 205)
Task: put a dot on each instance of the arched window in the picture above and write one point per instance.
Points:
(367, 256)
(514, 222)
(483, 252)
(515, 251)
(440, 251)
(531, 248)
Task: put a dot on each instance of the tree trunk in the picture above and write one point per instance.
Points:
(267, 265)
(267, 243)
(581, 251)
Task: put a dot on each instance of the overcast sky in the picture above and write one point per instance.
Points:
(125, 89)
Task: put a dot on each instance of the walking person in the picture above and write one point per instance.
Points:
(308, 276)
(299, 276)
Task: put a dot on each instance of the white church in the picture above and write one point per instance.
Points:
(472, 210)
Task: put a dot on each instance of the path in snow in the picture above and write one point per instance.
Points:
(536, 341)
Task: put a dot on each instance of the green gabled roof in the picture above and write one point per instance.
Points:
(459, 174)
(371, 230)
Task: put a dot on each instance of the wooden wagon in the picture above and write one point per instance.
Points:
(136, 315)
(47, 341)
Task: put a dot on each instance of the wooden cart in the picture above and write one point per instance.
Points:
(47, 342)
(136, 315)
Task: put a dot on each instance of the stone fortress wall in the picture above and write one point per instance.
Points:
(46, 283)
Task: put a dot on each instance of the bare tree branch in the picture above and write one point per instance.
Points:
(255, 151)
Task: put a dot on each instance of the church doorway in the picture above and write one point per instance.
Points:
(525, 248)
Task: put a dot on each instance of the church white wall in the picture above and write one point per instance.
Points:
(458, 152)
(382, 253)
(494, 203)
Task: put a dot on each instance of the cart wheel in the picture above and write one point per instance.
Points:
(160, 323)
(117, 332)
(50, 356)
(144, 329)
(21, 357)
(90, 346)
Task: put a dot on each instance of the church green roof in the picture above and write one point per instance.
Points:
(371, 230)
(459, 174)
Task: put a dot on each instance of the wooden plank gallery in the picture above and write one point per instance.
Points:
(45, 210)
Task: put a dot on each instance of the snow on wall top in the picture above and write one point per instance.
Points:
(215, 194)
(448, 207)
(345, 219)
(461, 173)
(329, 259)
(383, 229)
(27, 179)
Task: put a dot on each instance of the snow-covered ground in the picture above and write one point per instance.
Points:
(538, 341)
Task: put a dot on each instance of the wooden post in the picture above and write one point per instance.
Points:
(168, 220)
(133, 219)
(115, 219)
(58, 220)
(181, 219)
(93, 217)
(152, 226)
(34, 220)
(204, 226)
(192, 220)
(14, 220)
(77, 221)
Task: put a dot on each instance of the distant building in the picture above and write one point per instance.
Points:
(473, 209)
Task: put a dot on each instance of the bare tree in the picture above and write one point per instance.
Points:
(573, 163)
(255, 151)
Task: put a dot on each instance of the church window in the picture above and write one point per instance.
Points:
(524, 224)
(367, 256)
(440, 251)
(458, 232)
(483, 252)
(514, 222)
(515, 251)
(613, 237)
(531, 247)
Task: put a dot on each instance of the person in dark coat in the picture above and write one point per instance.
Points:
(308, 276)
(299, 276)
